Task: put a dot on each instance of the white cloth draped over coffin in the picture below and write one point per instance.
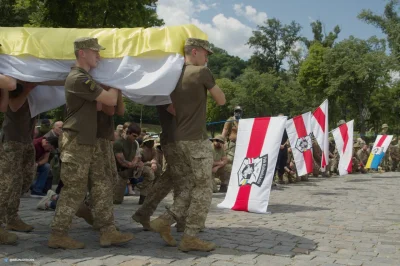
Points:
(146, 80)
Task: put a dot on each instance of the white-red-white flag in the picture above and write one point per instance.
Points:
(343, 136)
(319, 126)
(257, 147)
(299, 134)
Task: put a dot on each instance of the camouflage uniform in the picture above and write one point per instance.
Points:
(221, 175)
(196, 192)
(317, 157)
(193, 148)
(82, 161)
(17, 164)
(291, 166)
(149, 156)
(230, 148)
(395, 156)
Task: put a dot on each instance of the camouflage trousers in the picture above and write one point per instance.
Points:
(109, 164)
(163, 185)
(17, 170)
(157, 173)
(83, 167)
(124, 175)
(194, 184)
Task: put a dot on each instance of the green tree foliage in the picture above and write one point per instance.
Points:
(273, 42)
(355, 69)
(90, 14)
(319, 37)
(388, 22)
(223, 65)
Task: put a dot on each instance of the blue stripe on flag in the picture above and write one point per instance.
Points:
(377, 160)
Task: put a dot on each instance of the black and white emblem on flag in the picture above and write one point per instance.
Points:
(253, 171)
(303, 144)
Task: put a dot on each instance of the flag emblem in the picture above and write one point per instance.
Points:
(253, 171)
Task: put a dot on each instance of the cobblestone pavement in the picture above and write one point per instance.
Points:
(352, 220)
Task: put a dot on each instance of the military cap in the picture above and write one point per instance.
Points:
(341, 122)
(199, 43)
(148, 138)
(219, 138)
(385, 126)
(356, 145)
(87, 43)
(238, 108)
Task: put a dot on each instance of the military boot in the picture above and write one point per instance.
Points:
(85, 213)
(19, 226)
(144, 221)
(114, 237)
(192, 243)
(163, 227)
(7, 238)
(62, 240)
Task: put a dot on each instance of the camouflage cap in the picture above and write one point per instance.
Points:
(341, 122)
(199, 43)
(148, 138)
(87, 43)
(238, 108)
(219, 138)
(385, 126)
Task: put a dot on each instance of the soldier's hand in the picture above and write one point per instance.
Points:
(154, 167)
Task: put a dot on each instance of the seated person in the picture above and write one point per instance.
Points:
(130, 166)
(149, 156)
(43, 147)
(220, 160)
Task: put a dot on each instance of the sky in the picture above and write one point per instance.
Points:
(229, 23)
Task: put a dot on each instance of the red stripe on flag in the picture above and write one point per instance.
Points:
(256, 143)
(350, 167)
(302, 132)
(345, 135)
(323, 163)
(381, 141)
(320, 117)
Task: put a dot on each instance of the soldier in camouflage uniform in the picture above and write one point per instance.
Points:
(81, 153)
(166, 181)
(220, 161)
(193, 148)
(230, 148)
(317, 157)
(149, 156)
(105, 138)
(395, 156)
(17, 160)
(290, 169)
(231, 125)
(363, 155)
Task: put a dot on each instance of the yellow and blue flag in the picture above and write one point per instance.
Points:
(378, 151)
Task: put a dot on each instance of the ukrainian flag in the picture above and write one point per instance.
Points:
(378, 151)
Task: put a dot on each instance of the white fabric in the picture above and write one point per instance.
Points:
(145, 80)
(345, 147)
(301, 144)
(259, 194)
(322, 134)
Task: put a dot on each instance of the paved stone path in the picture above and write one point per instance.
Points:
(352, 220)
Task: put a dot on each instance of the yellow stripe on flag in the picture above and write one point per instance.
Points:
(370, 158)
(57, 43)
